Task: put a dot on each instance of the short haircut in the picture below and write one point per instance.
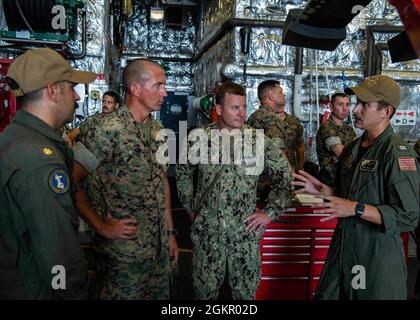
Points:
(114, 95)
(27, 98)
(135, 71)
(383, 104)
(266, 85)
(228, 87)
(339, 95)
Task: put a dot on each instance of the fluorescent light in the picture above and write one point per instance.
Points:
(156, 13)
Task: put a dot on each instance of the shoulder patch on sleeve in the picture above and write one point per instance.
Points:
(330, 142)
(59, 181)
(407, 164)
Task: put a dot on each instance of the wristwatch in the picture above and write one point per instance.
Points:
(173, 231)
(359, 210)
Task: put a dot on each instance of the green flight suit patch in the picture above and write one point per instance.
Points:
(368, 165)
(59, 181)
(407, 164)
(402, 147)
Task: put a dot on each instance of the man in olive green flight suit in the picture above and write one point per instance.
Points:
(135, 236)
(376, 198)
(417, 286)
(40, 256)
(332, 136)
(227, 226)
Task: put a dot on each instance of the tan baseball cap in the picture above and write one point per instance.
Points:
(377, 88)
(35, 69)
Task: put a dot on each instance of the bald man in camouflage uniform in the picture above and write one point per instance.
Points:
(277, 123)
(135, 262)
(227, 227)
(332, 136)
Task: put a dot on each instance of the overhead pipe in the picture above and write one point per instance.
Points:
(317, 89)
(232, 23)
(178, 3)
(297, 85)
(379, 47)
(232, 71)
(82, 54)
(133, 56)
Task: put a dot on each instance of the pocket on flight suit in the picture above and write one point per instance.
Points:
(8, 264)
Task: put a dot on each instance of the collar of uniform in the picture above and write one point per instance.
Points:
(268, 109)
(28, 119)
(384, 135)
(331, 120)
(215, 125)
(131, 124)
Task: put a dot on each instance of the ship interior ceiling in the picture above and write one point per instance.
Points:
(313, 47)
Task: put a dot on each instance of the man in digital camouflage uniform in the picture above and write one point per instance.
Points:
(332, 136)
(38, 219)
(277, 123)
(227, 226)
(375, 198)
(136, 239)
(110, 103)
(95, 191)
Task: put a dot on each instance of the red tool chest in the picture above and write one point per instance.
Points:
(7, 99)
(293, 253)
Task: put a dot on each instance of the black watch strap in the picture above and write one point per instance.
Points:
(173, 231)
(360, 209)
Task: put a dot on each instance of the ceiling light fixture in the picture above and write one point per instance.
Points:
(156, 11)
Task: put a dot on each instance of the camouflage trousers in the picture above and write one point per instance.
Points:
(147, 279)
(240, 263)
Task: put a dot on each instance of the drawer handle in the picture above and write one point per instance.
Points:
(270, 254)
(285, 262)
(286, 238)
(279, 246)
(287, 221)
(284, 278)
(287, 230)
